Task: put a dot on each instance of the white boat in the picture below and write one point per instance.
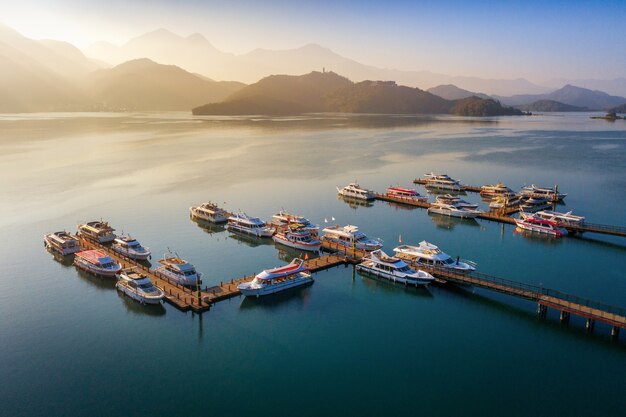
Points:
(350, 237)
(551, 194)
(284, 218)
(430, 255)
(271, 281)
(455, 201)
(98, 231)
(130, 247)
(499, 189)
(254, 226)
(97, 262)
(354, 190)
(561, 218)
(532, 204)
(298, 237)
(61, 242)
(178, 270)
(209, 212)
(541, 226)
(442, 182)
(406, 193)
(453, 211)
(139, 287)
(501, 202)
(393, 269)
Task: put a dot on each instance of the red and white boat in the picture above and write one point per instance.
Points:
(407, 193)
(279, 279)
(542, 226)
(298, 237)
(97, 262)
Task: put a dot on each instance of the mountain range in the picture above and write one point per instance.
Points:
(571, 95)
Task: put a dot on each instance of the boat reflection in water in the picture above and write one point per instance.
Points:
(295, 298)
(208, 227)
(355, 203)
(66, 261)
(288, 254)
(249, 240)
(101, 283)
(134, 307)
(400, 206)
(544, 239)
(374, 283)
(449, 223)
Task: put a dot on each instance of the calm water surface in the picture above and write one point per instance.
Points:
(348, 345)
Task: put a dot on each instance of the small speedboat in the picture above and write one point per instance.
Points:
(298, 237)
(453, 211)
(284, 218)
(550, 194)
(61, 242)
(271, 281)
(541, 226)
(393, 269)
(406, 193)
(455, 201)
(354, 190)
(254, 226)
(130, 247)
(430, 255)
(442, 182)
(499, 189)
(97, 262)
(209, 212)
(568, 218)
(178, 270)
(139, 287)
(100, 231)
(350, 237)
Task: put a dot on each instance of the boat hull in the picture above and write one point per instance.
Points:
(416, 281)
(139, 297)
(208, 218)
(186, 281)
(301, 281)
(447, 187)
(541, 230)
(62, 251)
(298, 245)
(449, 213)
(357, 196)
(132, 254)
(252, 232)
(92, 269)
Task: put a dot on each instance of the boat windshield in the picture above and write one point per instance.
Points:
(405, 268)
(107, 265)
(146, 287)
(190, 272)
(449, 261)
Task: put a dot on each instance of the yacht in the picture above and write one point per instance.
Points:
(561, 218)
(453, 211)
(442, 182)
(98, 231)
(455, 201)
(97, 262)
(139, 287)
(61, 242)
(551, 194)
(298, 237)
(406, 193)
(393, 269)
(130, 247)
(178, 270)
(354, 190)
(350, 237)
(532, 204)
(283, 218)
(254, 226)
(209, 212)
(492, 191)
(538, 225)
(430, 255)
(501, 202)
(271, 281)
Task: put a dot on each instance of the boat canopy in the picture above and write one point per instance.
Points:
(95, 256)
(296, 266)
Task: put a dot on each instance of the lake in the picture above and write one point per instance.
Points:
(347, 345)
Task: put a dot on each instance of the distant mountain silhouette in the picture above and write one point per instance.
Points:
(616, 86)
(549, 106)
(477, 106)
(569, 94)
(452, 92)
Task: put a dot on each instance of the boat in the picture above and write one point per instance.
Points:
(354, 190)
(453, 211)
(209, 212)
(271, 281)
(501, 202)
(138, 286)
(178, 270)
(98, 231)
(567, 219)
(298, 237)
(532, 204)
(455, 201)
(97, 262)
(551, 194)
(130, 247)
(406, 193)
(254, 226)
(442, 182)
(542, 226)
(283, 218)
(430, 255)
(61, 242)
(350, 237)
(499, 189)
(394, 269)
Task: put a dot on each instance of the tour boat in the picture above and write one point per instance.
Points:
(430, 255)
(393, 269)
(178, 270)
(406, 193)
(354, 190)
(492, 191)
(98, 231)
(97, 262)
(271, 281)
(61, 242)
(350, 237)
(537, 225)
(130, 247)
(561, 218)
(453, 211)
(500, 202)
(532, 204)
(442, 182)
(455, 201)
(254, 226)
(551, 194)
(298, 237)
(139, 287)
(209, 212)
(283, 218)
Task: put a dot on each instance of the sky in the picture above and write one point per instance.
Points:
(537, 40)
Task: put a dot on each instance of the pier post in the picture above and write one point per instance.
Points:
(541, 311)
(589, 325)
(564, 317)
(614, 332)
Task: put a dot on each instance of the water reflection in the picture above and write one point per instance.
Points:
(248, 240)
(400, 206)
(449, 223)
(298, 296)
(386, 286)
(287, 254)
(354, 203)
(66, 261)
(208, 227)
(539, 238)
(102, 283)
(135, 307)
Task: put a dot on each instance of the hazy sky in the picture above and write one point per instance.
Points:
(537, 40)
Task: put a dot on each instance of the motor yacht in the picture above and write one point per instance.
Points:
(532, 204)
(541, 226)
(550, 194)
(271, 281)
(453, 211)
(130, 247)
(283, 218)
(98, 231)
(298, 237)
(61, 242)
(501, 202)
(567, 219)
(394, 269)
(138, 286)
(455, 201)
(406, 193)
(96, 262)
(209, 212)
(442, 182)
(499, 189)
(350, 237)
(430, 255)
(178, 270)
(354, 190)
(254, 226)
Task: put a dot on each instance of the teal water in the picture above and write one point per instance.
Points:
(348, 345)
